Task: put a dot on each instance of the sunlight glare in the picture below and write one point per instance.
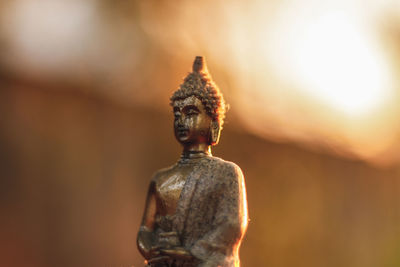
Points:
(334, 59)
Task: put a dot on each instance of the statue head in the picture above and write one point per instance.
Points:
(199, 107)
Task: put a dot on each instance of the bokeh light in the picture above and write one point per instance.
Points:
(334, 59)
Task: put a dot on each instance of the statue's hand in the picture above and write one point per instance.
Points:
(168, 239)
(177, 253)
(154, 251)
(158, 259)
(157, 256)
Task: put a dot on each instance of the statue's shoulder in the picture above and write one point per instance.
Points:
(162, 173)
(227, 167)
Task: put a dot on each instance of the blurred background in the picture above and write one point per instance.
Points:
(314, 124)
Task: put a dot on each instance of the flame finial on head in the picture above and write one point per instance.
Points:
(199, 65)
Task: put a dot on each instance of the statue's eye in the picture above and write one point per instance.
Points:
(192, 112)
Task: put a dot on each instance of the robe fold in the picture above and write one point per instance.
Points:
(211, 215)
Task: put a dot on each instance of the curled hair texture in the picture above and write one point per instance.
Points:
(199, 84)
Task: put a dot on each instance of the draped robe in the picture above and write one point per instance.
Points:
(211, 214)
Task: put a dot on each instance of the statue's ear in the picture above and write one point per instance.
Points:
(215, 131)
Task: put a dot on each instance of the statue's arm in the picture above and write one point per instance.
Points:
(145, 236)
(229, 225)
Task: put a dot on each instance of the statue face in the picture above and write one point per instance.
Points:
(191, 123)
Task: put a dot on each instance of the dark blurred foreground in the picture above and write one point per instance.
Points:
(75, 168)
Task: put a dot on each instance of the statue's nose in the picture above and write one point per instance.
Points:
(180, 121)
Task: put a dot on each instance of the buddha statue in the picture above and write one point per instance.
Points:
(196, 210)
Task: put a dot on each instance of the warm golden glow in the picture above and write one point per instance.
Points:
(317, 72)
(333, 58)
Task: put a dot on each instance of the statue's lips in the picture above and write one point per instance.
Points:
(182, 132)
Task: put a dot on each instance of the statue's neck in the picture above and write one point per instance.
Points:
(196, 151)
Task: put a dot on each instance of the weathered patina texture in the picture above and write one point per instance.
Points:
(196, 210)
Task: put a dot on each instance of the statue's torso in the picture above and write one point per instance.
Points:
(210, 193)
(168, 187)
